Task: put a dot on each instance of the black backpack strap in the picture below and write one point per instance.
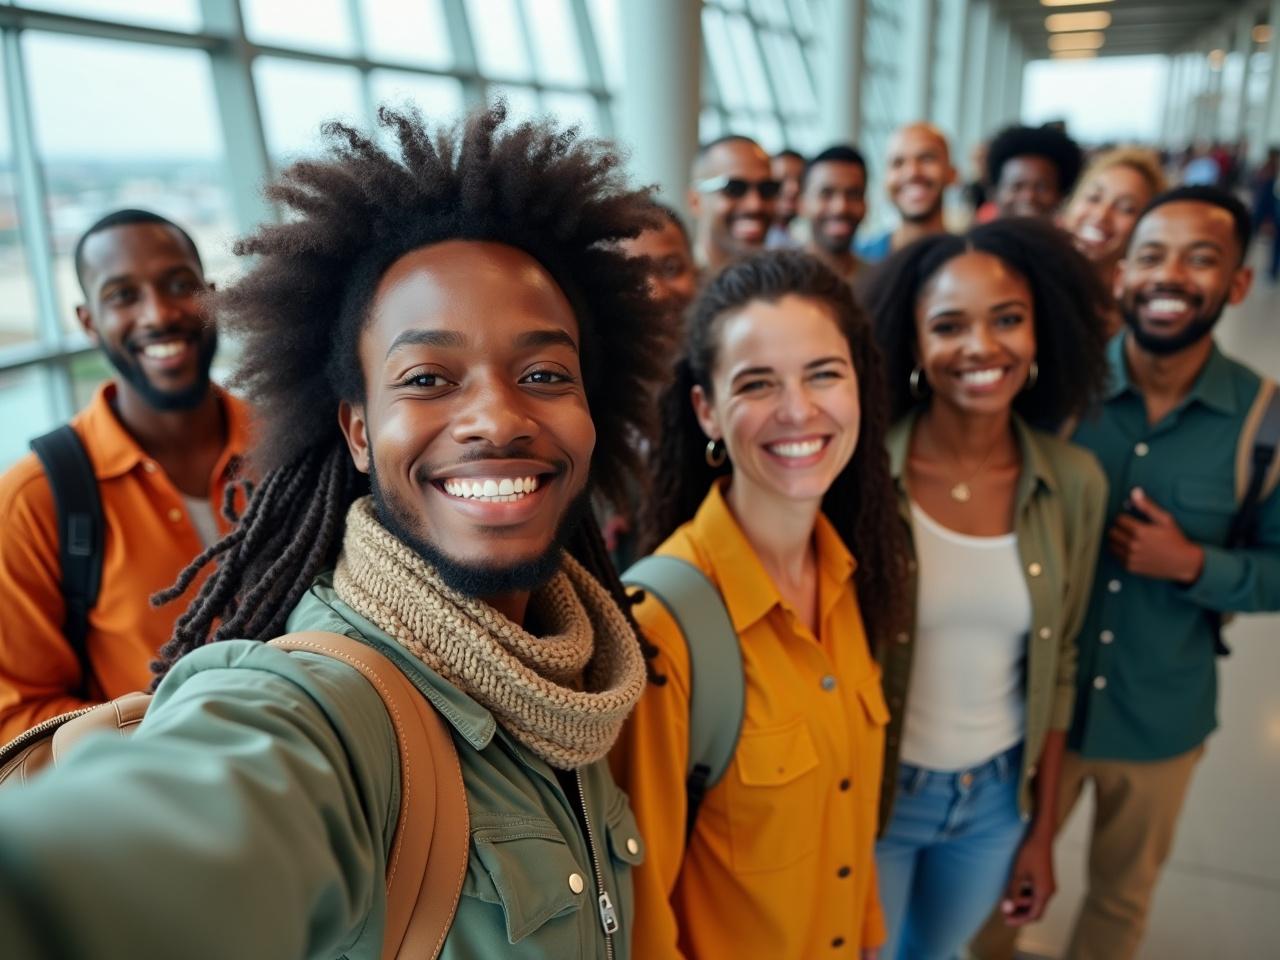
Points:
(80, 533)
(1261, 458)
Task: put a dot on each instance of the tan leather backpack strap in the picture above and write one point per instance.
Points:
(429, 853)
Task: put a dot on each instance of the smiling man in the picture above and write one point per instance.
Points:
(732, 198)
(1166, 436)
(918, 171)
(833, 199)
(162, 444)
(449, 354)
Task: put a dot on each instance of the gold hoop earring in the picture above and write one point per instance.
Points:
(716, 454)
(1033, 376)
(913, 383)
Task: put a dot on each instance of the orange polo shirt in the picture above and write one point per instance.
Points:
(780, 864)
(147, 540)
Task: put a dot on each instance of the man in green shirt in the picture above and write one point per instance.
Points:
(448, 353)
(1166, 437)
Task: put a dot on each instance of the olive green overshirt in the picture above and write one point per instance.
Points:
(1059, 505)
(1148, 681)
(251, 815)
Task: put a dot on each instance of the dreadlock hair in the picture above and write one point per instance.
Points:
(1068, 300)
(301, 308)
(861, 503)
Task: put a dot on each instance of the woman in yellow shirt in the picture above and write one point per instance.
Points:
(771, 468)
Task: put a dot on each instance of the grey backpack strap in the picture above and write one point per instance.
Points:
(717, 688)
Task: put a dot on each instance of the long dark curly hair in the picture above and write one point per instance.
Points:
(861, 504)
(1068, 300)
(300, 310)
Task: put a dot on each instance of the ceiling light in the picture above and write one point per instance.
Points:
(1262, 34)
(1074, 55)
(1076, 41)
(1071, 3)
(1087, 20)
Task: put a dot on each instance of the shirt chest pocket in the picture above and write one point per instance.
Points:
(1203, 508)
(526, 871)
(773, 786)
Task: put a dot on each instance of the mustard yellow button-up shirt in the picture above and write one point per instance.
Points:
(780, 863)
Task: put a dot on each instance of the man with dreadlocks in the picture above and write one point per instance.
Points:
(448, 352)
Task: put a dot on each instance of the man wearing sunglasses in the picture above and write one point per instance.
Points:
(732, 201)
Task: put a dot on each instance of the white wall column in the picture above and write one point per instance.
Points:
(950, 109)
(975, 84)
(841, 33)
(661, 94)
(1013, 81)
(1243, 47)
(1271, 119)
(997, 75)
(918, 24)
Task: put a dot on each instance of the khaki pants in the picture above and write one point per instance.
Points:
(1136, 813)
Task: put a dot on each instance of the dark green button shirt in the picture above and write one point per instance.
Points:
(1147, 686)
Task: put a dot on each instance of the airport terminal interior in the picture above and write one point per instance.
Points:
(187, 107)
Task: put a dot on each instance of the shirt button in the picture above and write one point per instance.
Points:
(175, 514)
(1106, 636)
(838, 942)
(576, 883)
(633, 846)
(903, 637)
(1099, 683)
(828, 683)
(1114, 586)
(845, 784)
(1045, 633)
(1031, 770)
(1141, 449)
(148, 466)
(1035, 569)
(843, 872)
(966, 780)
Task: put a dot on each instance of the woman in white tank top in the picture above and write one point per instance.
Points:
(983, 336)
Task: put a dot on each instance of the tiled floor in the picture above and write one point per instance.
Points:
(1220, 895)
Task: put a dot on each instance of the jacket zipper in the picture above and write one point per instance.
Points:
(608, 915)
(38, 731)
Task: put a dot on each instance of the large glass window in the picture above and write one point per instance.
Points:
(18, 320)
(413, 33)
(297, 96)
(168, 14)
(148, 138)
(310, 24)
(499, 39)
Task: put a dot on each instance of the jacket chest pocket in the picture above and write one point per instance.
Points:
(528, 873)
(774, 784)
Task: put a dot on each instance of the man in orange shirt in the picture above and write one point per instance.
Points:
(163, 443)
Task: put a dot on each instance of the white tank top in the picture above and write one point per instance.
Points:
(965, 701)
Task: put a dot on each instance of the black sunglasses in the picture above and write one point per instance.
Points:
(736, 188)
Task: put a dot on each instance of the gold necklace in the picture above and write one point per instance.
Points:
(960, 491)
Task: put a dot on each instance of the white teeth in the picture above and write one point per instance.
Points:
(806, 448)
(1092, 234)
(982, 378)
(1167, 305)
(491, 490)
(159, 351)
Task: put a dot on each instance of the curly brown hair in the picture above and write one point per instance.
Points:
(861, 503)
(300, 310)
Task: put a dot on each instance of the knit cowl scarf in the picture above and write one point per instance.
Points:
(563, 695)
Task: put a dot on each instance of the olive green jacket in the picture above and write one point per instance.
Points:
(251, 815)
(1060, 504)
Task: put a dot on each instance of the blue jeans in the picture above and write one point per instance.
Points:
(946, 854)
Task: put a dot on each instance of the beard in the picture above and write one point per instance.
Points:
(1166, 345)
(167, 401)
(476, 580)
